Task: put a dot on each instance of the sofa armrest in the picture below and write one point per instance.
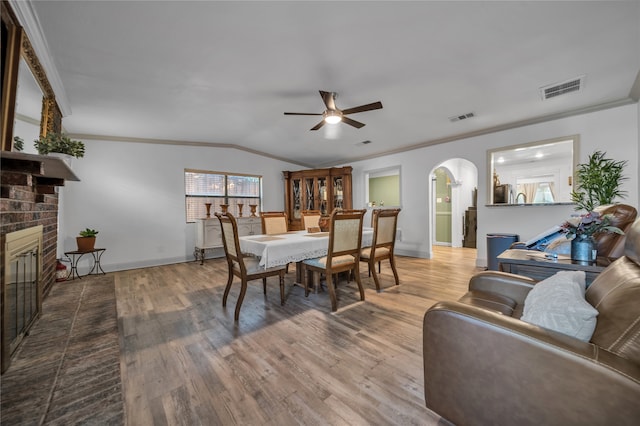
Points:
(514, 286)
(481, 367)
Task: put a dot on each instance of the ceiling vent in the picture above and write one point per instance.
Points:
(461, 117)
(569, 86)
(365, 142)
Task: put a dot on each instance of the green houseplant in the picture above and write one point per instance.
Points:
(61, 143)
(598, 182)
(87, 239)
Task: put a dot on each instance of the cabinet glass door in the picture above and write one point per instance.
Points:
(323, 195)
(309, 193)
(296, 185)
(338, 192)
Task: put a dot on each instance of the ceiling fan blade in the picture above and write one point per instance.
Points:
(353, 123)
(329, 99)
(317, 126)
(361, 108)
(301, 113)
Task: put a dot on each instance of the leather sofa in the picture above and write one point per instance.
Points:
(484, 365)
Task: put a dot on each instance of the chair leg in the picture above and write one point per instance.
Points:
(357, 271)
(392, 261)
(316, 282)
(243, 290)
(227, 288)
(282, 288)
(372, 266)
(305, 279)
(332, 293)
(379, 267)
(264, 285)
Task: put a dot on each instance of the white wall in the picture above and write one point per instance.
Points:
(614, 131)
(133, 194)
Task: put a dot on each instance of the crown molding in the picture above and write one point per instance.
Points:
(27, 17)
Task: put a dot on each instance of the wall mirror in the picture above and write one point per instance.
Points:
(532, 173)
(28, 110)
(382, 187)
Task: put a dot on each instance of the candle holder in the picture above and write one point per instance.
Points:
(224, 208)
(208, 206)
(240, 206)
(253, 209)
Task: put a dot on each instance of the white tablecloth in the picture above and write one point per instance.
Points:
(281, 249)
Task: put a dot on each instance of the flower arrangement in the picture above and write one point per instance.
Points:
(589, 224)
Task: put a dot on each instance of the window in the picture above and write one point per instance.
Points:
(218, 188)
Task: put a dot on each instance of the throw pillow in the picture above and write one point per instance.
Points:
(558, 303)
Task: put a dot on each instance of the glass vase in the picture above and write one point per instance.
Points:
(583, 248)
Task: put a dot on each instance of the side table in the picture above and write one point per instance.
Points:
(536, 265)
(75, 256)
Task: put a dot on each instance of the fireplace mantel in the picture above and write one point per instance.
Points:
(38, 165)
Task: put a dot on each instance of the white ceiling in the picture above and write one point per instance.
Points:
(224, 72)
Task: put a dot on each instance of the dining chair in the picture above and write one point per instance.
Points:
(343, 254)
(311, 219)
(274, 222)
(245, 267)
(384, 222)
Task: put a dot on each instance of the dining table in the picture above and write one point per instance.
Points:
(294, 246)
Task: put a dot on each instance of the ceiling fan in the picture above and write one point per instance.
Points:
(334, 115)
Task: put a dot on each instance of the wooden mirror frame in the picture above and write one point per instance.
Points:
(16, 45)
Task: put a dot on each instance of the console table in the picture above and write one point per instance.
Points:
(209, 234)
(75, 256)
(534, 264)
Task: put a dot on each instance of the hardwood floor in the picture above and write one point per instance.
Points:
(184, 361)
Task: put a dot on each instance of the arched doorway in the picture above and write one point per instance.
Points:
(453, 189)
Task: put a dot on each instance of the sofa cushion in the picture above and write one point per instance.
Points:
(558, 303)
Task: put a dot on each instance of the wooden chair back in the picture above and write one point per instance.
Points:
(274, 222)
(230, 241)
(385, 222)
(311, 219)
(345, 234)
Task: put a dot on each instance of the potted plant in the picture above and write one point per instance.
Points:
(87, 240)
(598, 182)
(59, 143)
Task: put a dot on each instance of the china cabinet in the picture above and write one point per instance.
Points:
(316, 189)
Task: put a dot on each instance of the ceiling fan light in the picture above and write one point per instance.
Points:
(332, 117)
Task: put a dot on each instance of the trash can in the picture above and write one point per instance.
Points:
(496, 244)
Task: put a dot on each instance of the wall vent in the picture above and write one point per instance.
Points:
(557, 89)
(455, 118)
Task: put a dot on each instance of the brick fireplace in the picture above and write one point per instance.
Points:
(28, 199)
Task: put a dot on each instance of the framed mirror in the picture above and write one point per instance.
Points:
(382, 187)
(28, 109)
(535, 173)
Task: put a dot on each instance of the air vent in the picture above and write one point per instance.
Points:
(569, 86)
(461, 117)
(366, 142)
